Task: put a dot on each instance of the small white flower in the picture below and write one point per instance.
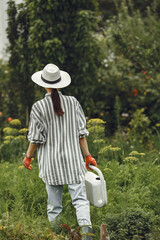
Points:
(124, 114)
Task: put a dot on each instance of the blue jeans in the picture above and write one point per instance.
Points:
(79, 201)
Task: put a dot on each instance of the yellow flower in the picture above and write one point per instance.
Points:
(101, 114)
(8, 137)
(115, 149)
(109, 148)
(96, 126)
(15, 122)
(104, 149)
(142, 154)
(134, 153)
(23, 130)
(99, 141)
(7, 129)
(96, 129)
(130, 159)
(96, 121)
(20, 138)
(6, 142)
(10, 131)
(134, 167)
(20, 167)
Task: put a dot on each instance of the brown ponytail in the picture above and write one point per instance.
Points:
(56, 102)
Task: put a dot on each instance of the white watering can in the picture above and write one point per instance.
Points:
(96, 187)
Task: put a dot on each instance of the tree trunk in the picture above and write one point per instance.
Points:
(27, 116)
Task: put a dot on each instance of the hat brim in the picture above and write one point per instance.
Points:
(65, 80)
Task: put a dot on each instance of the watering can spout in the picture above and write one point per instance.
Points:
(96, 187)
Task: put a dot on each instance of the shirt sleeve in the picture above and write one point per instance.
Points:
(37, 134)
(82, 131)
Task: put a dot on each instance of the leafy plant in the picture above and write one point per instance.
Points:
(139, 128)
(96, 140)
(130, 70)
(74, 234)
(130, 224)
(14, 141)
(58, 35)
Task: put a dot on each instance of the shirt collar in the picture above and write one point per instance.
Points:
(48, 94)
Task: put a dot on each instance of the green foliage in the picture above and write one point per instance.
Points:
(114, 66)
(96, 128)
(114, 71)
(78, 52)
(122, 89)
(132, 212)
(110, 8)
(62, 33)
(20, 91)
(131, 66)
(117, 109)
(139, 128)
(4, 99)
(74, 234)
(14, 141)
(132, 223)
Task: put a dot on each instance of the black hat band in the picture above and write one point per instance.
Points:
(50, 82)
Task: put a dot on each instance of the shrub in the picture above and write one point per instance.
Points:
(139, 128)
(131, 67)
(96, 140)
(130, 224)
(14, 141)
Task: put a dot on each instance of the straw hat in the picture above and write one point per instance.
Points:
(51, 77)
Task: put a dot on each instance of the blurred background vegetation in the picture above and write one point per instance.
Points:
(110, 48)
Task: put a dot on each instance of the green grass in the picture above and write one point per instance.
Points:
(132, 212)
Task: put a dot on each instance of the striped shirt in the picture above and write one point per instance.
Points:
(60, 159)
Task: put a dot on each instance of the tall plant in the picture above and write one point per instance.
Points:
(21, 89)
(61, 32)
(4, 100)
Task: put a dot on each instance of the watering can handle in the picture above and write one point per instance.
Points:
(98, 171)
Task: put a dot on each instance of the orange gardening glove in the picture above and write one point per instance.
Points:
(27, 162)
(90, 160)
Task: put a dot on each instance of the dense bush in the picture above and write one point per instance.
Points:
(131, 67)
(14, 142)
(139, 128)
(130, 224)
